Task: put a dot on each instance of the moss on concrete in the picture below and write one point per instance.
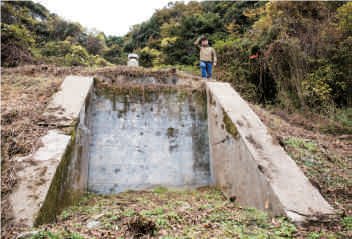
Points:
(149, 93)
(60, 194)
(200, 97)
(211, 99)
(230, 127)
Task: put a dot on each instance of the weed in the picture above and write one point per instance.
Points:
(59, 235)
(160, 190)
(129, 213)
(347, 223)
(156, 211)
(65, 215)
(140, 226)
(201, 213)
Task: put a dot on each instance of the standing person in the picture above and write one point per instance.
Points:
(207, 56)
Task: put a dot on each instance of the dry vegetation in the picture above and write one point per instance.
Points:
(24, 98)
(323, 158)
(163, 213)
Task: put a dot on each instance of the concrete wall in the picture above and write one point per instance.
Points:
(146, 140)
(250, 167)
(69, 183)
(45, 177)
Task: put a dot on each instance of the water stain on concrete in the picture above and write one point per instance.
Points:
(146, 139)
(251, 140)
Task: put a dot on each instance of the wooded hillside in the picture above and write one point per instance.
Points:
(30, 34)
(291, 53)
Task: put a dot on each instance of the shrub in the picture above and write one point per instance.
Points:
(98, 61)
(15, 43)
(78, 57)
(61, 48)
(114, 54)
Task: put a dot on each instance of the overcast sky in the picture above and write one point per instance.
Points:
(113, 17)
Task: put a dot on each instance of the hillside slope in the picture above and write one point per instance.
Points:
(30, 34)
(291, 54)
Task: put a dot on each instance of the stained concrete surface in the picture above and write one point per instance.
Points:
(35, 177)
(71, 97)
(143, 141)
(251, 167)
(38, 169)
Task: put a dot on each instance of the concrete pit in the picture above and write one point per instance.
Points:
(171, 136)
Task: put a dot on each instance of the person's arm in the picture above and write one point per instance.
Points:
(214, 57)
(196, 43)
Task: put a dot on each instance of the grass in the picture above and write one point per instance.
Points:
(199, 213)
(59, 235)
(319, 164)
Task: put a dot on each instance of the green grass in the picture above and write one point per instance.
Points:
(59, 235)
(200, 213)
(160, 190)
(318, 163)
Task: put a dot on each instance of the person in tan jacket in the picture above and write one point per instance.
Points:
(207, 56)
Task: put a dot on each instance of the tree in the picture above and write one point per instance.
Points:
(114, 41)
(95, 43)
(114, 54)
(15, 43)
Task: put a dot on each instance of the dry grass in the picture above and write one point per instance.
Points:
(163, 213)
(323, 158)
(23, 101)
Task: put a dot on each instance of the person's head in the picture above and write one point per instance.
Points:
(204, 41)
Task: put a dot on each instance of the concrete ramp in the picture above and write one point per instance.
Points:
(45, 177)
(251, 167)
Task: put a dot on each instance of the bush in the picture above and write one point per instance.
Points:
(58, 49)
(98, 61)
(78, 57)
(242, 63)
(114, 54)
(316, 87)
(94, 43)
(15, 43)
(149, 57)
(287, 64)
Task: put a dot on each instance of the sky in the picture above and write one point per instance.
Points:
(112, 17)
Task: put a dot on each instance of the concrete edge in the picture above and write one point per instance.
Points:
(38, 168)
(301, 205)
